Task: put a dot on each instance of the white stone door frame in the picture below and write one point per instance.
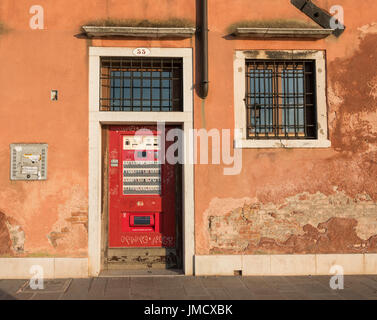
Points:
(98, 118)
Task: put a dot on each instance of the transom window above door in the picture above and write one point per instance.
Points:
(141, 84)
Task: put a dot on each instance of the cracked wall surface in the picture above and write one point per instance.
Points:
(302, 224)
(51, 229)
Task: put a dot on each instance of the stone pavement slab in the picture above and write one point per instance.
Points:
(193, 288)
(78, 289)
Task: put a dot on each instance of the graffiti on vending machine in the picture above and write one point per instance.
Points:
(143, 239)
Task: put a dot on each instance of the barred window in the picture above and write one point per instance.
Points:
(141, 84)
(280, 99)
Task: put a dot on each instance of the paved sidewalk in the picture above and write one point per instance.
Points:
(193, 288)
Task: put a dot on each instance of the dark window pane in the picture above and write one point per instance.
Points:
(141, 84)
(279, 99)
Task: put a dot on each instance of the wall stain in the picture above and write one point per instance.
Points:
(356, 79)
(303, 224)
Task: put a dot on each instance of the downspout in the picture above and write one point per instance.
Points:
(203, 39)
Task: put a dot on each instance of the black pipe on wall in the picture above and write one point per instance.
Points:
(202, 28)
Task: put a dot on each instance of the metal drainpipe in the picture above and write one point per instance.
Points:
(204, 84)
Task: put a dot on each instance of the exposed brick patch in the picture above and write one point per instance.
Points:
(333, 236)
(76, 218)
(305, 223)
(54, 236)
(79, 218)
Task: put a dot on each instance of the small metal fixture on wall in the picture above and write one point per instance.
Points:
(54, 95)
(28, 161)
(318, 15)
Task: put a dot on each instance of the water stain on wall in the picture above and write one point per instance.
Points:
(305, 223)
(356, 81)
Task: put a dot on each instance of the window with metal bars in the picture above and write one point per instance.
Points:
(141, 84)
(280, 99)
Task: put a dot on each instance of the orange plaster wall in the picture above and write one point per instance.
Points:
(53, 213)
(271, 176)
(35, 61)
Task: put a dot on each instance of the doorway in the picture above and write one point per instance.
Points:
(142, 194)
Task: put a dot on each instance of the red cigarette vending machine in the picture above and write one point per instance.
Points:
(141, 189)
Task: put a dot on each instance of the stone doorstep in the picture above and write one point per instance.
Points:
(137, 273)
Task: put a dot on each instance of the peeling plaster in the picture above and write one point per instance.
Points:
(372, 84)
(17, 236)
(12, 237)
(250, 226)
(69, 233)
(367, 29)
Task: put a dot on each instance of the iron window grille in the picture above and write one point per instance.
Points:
(141, 84)
(280, 99)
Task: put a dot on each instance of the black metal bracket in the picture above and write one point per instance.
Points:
(318, 15)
